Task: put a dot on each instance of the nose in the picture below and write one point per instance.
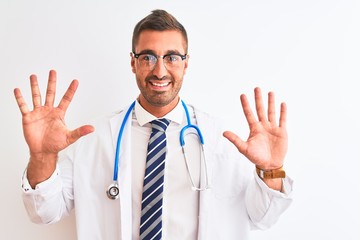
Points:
(159, 69)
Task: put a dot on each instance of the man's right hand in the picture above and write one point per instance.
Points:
(44, 127)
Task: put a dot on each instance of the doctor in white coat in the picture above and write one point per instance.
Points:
(69, 171)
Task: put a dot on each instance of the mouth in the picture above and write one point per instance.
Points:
(164, 84)
(159, 85)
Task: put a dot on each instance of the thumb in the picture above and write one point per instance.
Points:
(236, 140)
(80, 132)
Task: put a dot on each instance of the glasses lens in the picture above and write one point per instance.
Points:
(172, 60)
(147, 60)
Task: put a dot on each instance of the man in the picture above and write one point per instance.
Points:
(233, 197)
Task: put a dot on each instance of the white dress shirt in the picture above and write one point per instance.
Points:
(180, 202)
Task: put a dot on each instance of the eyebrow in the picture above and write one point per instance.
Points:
(148, 51)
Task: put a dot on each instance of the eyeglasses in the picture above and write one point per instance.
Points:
(171, 61)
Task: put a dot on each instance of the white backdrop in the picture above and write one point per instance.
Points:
(306, 51)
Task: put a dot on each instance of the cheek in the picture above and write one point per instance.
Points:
(179, 76)
(140, 77)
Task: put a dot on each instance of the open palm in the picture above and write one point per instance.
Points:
(44, 128)
(266, 145)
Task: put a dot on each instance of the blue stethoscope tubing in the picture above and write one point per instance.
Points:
(113, 190)
(118, 144)
(189, 125)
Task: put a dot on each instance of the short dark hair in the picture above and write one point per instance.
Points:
(158, 20)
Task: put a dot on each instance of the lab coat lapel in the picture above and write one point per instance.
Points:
(207, 129)
(124, 171)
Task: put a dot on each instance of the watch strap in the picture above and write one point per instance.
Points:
(271, 174)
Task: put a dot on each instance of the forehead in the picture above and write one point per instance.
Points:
(161, 41)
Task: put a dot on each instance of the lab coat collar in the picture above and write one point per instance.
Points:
(143, 117)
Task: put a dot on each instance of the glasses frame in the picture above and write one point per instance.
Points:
(137, 55)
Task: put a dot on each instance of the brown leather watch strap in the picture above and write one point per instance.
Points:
(270, 174)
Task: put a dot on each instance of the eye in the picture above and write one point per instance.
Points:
(148, 58)
(172, 58)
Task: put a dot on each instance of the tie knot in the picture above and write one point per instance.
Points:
(160, 124)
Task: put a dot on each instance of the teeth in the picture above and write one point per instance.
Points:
(160, 84)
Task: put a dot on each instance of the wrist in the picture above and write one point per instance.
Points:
(40, 168)
(42, 157)
(270, 173)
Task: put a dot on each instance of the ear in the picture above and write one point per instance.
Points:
(132, 63)
(186, 63)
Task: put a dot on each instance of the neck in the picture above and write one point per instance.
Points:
(158, 111)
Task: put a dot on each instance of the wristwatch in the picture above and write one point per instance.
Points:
(271, 174)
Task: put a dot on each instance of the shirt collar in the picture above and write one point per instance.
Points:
(143, 117)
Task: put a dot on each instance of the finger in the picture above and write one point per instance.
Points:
(79, 132)
(283, 115)
(68, 96)
(51, 89)
(260, 110)
(236, 140)
(20, 101)
(35, 91)
(271, 108)
(247, 110)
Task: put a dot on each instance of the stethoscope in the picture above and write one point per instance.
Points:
(113, 189)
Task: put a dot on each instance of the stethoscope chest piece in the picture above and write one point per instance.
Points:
(113, 191)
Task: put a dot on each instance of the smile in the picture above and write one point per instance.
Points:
(160, 84)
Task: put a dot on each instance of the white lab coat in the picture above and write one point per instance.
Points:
(237, 201)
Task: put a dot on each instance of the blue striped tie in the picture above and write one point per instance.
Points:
(151, 205)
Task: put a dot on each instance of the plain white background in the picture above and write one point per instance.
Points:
(306, 51)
